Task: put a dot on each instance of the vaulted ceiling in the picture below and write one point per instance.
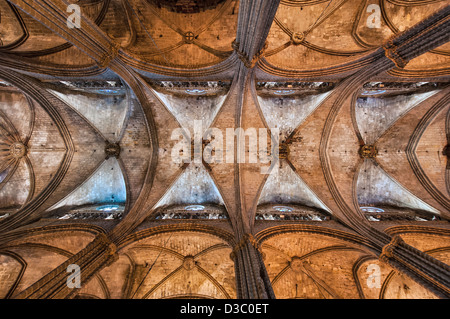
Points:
(91, 117)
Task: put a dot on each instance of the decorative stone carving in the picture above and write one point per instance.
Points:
(188, 263)
(296, 264)
(189, 37)
(18, 150)
(112, 150)
(283, 151)
(247, 238)
(388, 250)
(292, 212)
(368, 151)
(390, 50)
(297, 37)
(248, 63)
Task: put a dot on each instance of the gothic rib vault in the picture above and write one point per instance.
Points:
(356, 206)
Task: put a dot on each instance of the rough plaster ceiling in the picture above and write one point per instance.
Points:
(375, 115)
(286, 187)
(194, 186)
(288, 113)
(106, 112)
(106, 185)
(375, 188)
(188, 109)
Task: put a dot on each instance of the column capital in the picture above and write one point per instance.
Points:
(387, 251)
(391, 52)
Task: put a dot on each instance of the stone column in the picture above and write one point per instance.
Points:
(255, 20)
(252, 280)
(100, 253)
